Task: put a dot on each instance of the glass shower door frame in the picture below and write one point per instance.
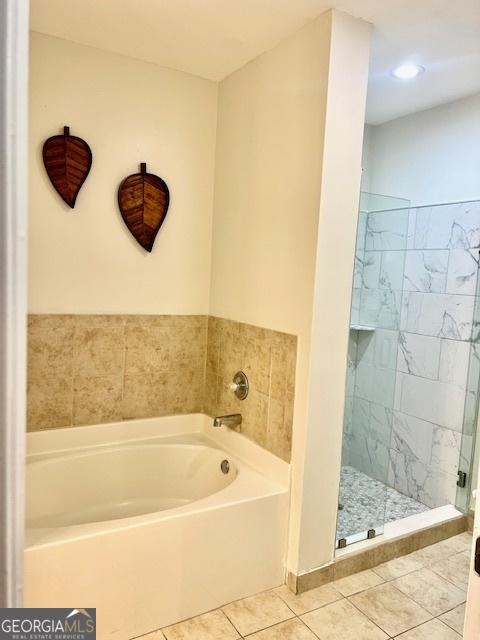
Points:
(372, 363)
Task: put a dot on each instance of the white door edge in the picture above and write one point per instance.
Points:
(14, 17)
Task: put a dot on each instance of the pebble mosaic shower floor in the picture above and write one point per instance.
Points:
(369, 503)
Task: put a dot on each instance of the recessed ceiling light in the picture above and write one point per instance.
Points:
(408, 71)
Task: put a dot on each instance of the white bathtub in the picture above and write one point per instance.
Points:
(138, 520)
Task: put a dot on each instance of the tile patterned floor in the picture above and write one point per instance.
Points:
(368, 503)
(417, 597)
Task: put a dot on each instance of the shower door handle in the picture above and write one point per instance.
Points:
(476, 564)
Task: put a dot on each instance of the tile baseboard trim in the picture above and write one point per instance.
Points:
(374, 555)
(470, 519)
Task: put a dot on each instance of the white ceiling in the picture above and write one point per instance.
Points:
(212, 38)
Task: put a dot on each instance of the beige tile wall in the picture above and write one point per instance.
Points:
(268, 358)
(89, 369)
(86, 369)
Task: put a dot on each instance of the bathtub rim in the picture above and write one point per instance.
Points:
(52, 442)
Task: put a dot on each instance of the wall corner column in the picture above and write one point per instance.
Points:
(317, 459)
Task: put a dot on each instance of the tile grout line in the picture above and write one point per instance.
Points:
(411, 598)
(73, 371)
(446, 623)
(401, 592)
(367, 616)
(448, 579)
(230, 621)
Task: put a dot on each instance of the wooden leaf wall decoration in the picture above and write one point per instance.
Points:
(67, 160)
(143, 199)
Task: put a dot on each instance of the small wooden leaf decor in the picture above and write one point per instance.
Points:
(143, 199)
(67, 160)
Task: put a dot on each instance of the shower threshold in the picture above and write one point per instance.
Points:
(370, 504)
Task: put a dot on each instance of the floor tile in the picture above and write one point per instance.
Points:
(312, 599)
(390, 609)
(398, 598)
(431, 591)
(430, 554)
(290, 630)
(456, 569)
(397, 567)
(357, 582)
(455, 618)
(342, 621)
(444, 549)
(257, 612)
(433, 630)
(462, 542)
(209, 626)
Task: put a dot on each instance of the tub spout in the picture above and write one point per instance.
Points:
(232, 420)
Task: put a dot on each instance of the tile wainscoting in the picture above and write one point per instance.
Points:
(91, 369)
(269, 360)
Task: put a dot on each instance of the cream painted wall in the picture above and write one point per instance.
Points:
(267, 187)
(84, 260)
(272, 118)
(267, 183)
(428, 157)
(338, 213)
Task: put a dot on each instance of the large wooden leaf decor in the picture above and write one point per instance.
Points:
(143, 199)
(67, 160)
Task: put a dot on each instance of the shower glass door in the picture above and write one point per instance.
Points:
(382, 237)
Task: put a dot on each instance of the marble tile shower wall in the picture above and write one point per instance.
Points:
(415, 283)
(90, 369)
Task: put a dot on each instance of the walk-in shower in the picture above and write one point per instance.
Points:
(413, 370)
